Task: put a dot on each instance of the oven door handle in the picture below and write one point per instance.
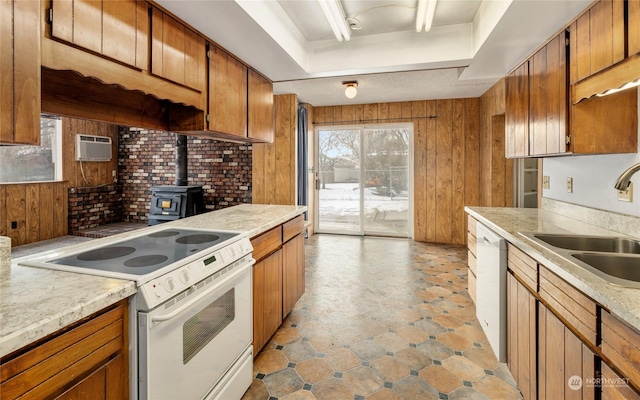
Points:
(174, 313)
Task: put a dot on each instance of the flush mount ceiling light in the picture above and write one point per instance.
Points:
(351, 89)
(424, 16)
(334, 13)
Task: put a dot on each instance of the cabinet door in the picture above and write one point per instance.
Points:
(227, 93)
(548, 98)
(561, 358)
(301, 265)
(521, 336)
(267, 299)
(597, 39)
(106, 383)
(292, 273)
(115, 29)
(20, 72)
(260, 108)
(517, 112)
(621, 345)
(177, 53)
(633, 30)
(614, 386)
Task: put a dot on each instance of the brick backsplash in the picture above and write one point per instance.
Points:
(90, 207)
(147, 158)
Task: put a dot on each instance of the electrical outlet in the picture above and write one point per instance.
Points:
(569, 185)
(546, 182)
(14, 224)
(626, 195)
(113, 173)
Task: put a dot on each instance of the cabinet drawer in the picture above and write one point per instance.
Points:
(52, 367)
(471, 243)
(614, 387)
(292, 227)
(471, 283)
(267, 243)
(523, 266)
(471, 225)
(576, 308)
(621, 344)
(472, 262)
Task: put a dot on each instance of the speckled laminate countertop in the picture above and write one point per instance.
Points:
(36, 302)
(509, 222)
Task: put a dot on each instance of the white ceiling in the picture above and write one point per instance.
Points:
(471, 45)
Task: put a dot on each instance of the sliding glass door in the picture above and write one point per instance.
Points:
(363, 177)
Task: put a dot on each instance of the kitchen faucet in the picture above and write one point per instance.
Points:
(623, 180)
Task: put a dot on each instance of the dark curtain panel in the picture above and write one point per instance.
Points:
(303, 162)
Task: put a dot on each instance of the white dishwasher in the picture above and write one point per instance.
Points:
(491, 289)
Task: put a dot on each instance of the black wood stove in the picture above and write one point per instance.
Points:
(171, 202)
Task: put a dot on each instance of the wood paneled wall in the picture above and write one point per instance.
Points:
(96, 173)
(38, 209)
(446, 158)
(274, 164)
(496, 172)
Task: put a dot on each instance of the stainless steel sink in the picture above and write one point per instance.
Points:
(614, 259)
(591, 243)
(624, 267)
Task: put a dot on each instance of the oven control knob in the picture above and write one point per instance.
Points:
(184, 276)
(169, 284)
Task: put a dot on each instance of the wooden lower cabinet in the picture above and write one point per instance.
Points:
(614, 386)
(103, 384)
(278, 277)
(521, 336)
(565, 363)
(88, 360)
(292, 273)
(267, 299)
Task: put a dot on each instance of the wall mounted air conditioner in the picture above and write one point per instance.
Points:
(93, 148)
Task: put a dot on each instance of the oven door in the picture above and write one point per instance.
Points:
(188, 343)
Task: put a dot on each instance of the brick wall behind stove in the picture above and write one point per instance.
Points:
(94, 206)
(147, 158)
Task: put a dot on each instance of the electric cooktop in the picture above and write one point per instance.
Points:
(144, 254)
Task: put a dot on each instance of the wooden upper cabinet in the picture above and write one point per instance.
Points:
(517, 112)
(177, 53)
(115, 29)
(20, 72)
(597, 39)
(227, 93)
(548, 93)
(633, 27)
(260, 108)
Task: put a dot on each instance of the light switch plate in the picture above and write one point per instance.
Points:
(569, 185)
(626, 195)
(545, 182)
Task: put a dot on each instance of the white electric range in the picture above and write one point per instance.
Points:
(191, 319)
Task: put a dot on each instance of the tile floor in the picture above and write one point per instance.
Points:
(381, 319)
